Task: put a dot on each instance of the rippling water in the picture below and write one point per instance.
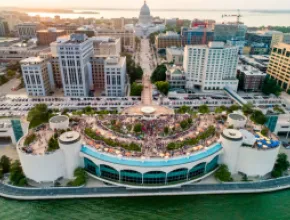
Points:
(255, 206)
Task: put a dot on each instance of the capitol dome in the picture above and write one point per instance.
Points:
(144, 17)
(145, 10)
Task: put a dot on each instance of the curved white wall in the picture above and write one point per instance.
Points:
(42, 168)
(71, 157)
(254, 162)
(59, 125)
(231, 153)
(237, 123)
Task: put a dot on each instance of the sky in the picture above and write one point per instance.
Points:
(157, 4)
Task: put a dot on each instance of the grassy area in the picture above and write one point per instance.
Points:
(37, 121)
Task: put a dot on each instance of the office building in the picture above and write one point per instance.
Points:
(203, 23)
(250, 78)
(27, 31)
(171, 22)
(45, 37)
(74, 55)
(106, 46)
(279, 65)
(127, 37)
(174, 55)
(210, 67)
(169, 39)
(38, 78)
(196, 36)
(4, 28)
(115, 76)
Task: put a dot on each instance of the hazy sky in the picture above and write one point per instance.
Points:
(186, 4)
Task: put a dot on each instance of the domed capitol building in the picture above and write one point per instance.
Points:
(145, 26)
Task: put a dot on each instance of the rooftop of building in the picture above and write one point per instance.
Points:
(31, 61)
(115, 61)
(212, 45)
(265, 33)
(250, 70)
(175, 51)
(50, 30)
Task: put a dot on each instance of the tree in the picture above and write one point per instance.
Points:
(184, 124)
(281, 165)
(162, 87)
(265, 131)
(137, 128)
(136, 89)
(159, 74)
(10, 73)
(258, 117)
(223, 174)
(233, 108)
(183, 109)
(166, 130)
(16, 173)
(247, 108)
(203, 109)
(38, 111)
(245, 178)
(5, 164)
(270, 86)
(135, 72)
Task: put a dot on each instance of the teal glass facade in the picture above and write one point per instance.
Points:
(152, 178)
(17, 129)
(272, 122)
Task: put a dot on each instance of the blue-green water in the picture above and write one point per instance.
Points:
(236, 207)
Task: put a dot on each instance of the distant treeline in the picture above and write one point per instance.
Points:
(283, 29)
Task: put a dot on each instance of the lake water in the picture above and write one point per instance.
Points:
(213, 207)
(250, 18)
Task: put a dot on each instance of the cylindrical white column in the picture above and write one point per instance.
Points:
(70, 144)
(231, 141)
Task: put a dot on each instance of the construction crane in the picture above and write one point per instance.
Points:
(205, 32)
(238, 15)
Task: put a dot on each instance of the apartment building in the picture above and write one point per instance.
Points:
(279, 65)
(280, 38)
(195, 35)
(169, 39)
(251, 79)
(210, 67)
(115, 76)
(38, 79)
(27, 31)
(74, 54)
(127, 37)
(47, 36)
(106, 46)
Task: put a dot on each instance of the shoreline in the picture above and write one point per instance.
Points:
(23, 193)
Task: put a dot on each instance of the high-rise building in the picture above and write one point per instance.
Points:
(279, 65)
(4, 28)
(169, 39)
(210, 67)
(98, 71)
(115, 76)
(47, 36)
(228, 32)
(74, 54)
(106, 46)
(27, 30)
(127, 37)
(195, 36)
(37, 76)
